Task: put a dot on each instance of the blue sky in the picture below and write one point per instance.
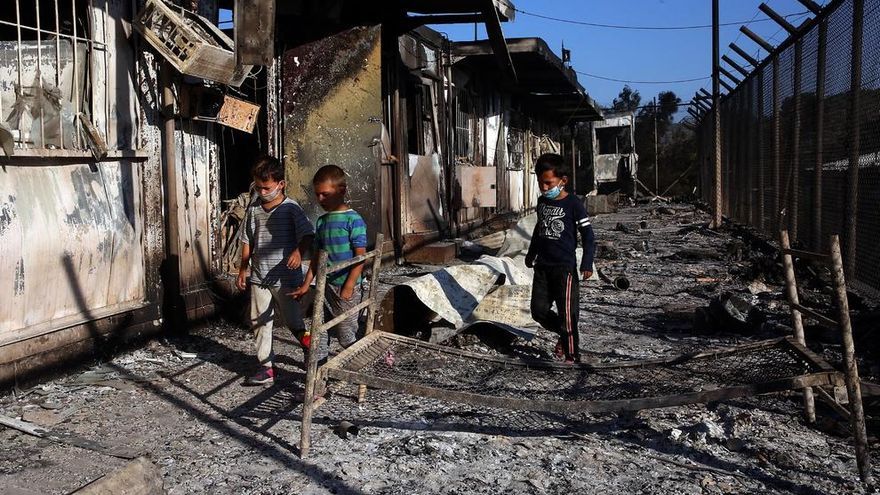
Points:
(640, 55)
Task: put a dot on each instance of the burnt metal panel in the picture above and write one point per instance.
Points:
(254, 32)
(332, 93)
(71, 244)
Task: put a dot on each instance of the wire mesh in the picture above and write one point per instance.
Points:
(790, 165)
(867, 269)
(412, 363)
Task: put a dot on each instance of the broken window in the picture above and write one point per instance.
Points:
(48, 77)
(614, 140)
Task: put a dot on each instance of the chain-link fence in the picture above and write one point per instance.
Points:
(800, 140)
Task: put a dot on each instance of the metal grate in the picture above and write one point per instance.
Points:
(410, 366)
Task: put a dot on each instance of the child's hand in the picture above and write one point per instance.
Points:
(294, 260)
(587, 274)
(241, 281)
(298, 293)
(346, 293)
(530, 262)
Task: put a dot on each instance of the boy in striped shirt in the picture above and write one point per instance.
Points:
(343, 234)
(274, 234)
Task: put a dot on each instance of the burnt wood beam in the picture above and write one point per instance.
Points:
(496, 39)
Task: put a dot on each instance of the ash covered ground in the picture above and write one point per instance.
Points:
(179, 401)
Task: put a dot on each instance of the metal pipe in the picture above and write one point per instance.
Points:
(812, 6)
(110, 143)
(716, 111)
(58, 73)
(778, 19)
(729, 75)
(735, 65)
(777, 142)
(820, 134)
(742, 53)
(728, 87)
(852, 204)
(796, 141)
(75, 82)
(761, 181)
(39, 77)
(50, 33)
(757, 39)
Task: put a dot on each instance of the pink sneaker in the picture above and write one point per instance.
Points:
(265, 376)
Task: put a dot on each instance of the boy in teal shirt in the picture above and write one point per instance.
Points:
(343, 234)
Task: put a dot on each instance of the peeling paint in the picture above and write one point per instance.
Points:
(7, 214)
(18, 282)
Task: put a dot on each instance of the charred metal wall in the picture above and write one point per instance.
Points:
(332, 113)
(82, 240)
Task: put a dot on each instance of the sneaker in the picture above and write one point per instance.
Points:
(265, 376)
(559, 352)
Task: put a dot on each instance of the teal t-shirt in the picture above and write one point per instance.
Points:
(339, 233)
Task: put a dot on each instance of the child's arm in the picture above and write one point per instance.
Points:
(353, 275)
(294, 261)
(532, 252)
(357, 236)
(244, 238)
(588, 239)
(307, 281)
(241, 282)
(305, 232)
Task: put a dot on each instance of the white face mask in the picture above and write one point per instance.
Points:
(269, 197)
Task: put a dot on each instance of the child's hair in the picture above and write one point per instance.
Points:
(552, 162)
(331, 173)
(267, 167)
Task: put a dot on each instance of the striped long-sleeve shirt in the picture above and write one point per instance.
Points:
(339, 233)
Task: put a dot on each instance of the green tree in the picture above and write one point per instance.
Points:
(628, 100)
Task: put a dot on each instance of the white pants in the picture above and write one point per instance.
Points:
(265, 301)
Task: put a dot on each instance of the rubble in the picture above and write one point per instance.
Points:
(205, 433)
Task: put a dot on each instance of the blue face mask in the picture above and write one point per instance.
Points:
(552, 193)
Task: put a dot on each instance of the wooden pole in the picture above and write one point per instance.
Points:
(312, 361)
(374, 302)
(796, 317)
(851, 370)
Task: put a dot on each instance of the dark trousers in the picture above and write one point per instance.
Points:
(558, 284)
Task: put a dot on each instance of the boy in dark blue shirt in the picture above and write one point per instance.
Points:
(552, 254)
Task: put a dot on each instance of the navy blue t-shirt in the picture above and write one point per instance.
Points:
(555, 237)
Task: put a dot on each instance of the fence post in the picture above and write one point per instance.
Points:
(761, 182)
(716, 117)
(851, 370)
(852, 194)
(312, 358)
(820, 135)
(797, 321)
(796, 139)
(750, 153)
(777, 158)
